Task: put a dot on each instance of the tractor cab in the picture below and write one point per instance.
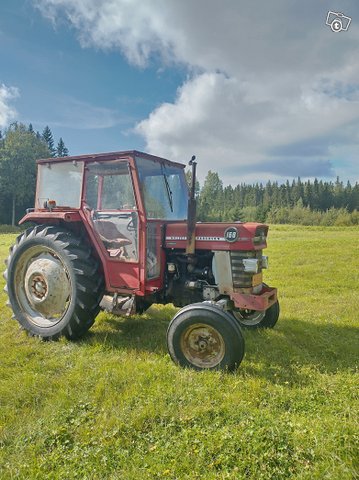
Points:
(124, 200)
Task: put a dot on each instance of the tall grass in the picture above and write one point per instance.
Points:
(114, 406)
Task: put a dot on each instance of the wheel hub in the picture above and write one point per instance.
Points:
(47, 286)
(203, 346)
(39, 287)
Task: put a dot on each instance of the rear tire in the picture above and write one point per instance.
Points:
(203, 337)
(53, 283)
(253, 319)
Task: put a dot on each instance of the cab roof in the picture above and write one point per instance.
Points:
(103, 157)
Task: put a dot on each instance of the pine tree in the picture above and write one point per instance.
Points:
(61, 150)
(49, 140)
(31, 128)
(308, 194)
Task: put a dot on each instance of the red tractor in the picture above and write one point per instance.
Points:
(117, 231)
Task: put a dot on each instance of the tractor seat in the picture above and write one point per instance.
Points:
(110, 235)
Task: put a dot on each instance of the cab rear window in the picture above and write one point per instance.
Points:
(61, 182)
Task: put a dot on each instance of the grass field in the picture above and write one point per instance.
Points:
(114, 406)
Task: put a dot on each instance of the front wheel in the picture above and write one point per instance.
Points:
(255, 319)
(203, 337)
(53, 283)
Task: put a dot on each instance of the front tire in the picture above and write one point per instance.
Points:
(203, 337)
(253, 319)
(53, 283)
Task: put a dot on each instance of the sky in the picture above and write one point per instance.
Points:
(258, 90)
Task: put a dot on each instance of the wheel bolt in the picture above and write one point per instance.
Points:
(202, 344)
(39, 287)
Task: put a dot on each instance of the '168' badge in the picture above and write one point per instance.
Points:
(231, 234)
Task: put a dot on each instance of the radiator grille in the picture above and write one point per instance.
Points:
(241, 278)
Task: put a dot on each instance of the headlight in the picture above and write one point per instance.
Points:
(250, 265)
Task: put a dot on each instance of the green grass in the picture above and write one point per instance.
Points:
(114, 406)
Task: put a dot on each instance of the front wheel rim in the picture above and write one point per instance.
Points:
(203, 346)
(249, 318)
(42, 286)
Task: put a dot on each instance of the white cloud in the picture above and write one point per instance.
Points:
(7, 112)
(228, 126)
(130, 26)
(272, 91)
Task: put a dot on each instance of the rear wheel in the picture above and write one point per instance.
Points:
(255, 319)
(203, 337)
(53, 283)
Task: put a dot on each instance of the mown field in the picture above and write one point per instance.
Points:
(114, 406)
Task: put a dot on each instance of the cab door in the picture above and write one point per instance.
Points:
(112, 206)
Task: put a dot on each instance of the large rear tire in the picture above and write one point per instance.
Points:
(203, 337)
(53, 283)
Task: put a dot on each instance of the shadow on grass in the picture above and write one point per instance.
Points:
(146, 332)
(288, 353)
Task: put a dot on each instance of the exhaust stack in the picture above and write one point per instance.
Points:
(191, 213)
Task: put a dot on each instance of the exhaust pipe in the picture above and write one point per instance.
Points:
(191, 212)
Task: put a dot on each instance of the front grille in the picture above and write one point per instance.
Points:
(240, 278)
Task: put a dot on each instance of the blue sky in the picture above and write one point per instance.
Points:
(91, 98)
(256, 91)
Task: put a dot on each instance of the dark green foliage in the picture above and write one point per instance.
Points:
(211, 198)
(18, 151)
(189, 182)
(61, 150)
(49, 140)
(307, 203)
(20, 147)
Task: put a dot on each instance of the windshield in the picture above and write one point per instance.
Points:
(164, 189)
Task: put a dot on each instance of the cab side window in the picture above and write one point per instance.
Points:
(111, 199)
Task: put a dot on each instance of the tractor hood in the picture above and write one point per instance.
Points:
(219, 236)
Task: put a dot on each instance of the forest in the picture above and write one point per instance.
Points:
(315, 202)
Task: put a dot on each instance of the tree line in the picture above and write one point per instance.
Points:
(307, 202)
(20, 147)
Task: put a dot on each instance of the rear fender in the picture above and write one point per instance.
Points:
(51, 217)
